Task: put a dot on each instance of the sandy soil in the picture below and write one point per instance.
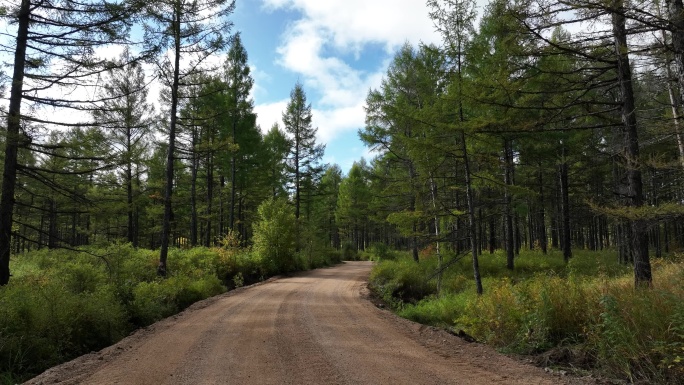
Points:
(317, 327)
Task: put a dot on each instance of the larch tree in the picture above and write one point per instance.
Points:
(305, 154)
(454, 20)
(54, 54)
(277, 147)
(239, 84)
(125, 117)
(185, 34)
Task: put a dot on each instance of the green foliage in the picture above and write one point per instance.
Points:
(155, 300)
(588, 308)
(62, 304)
(43, 322)
(349, 252)
(275, 236)
(403, 280)
(381, 252)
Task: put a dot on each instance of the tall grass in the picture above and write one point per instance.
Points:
(588, 310)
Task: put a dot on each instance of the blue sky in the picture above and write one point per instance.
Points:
(338, 49)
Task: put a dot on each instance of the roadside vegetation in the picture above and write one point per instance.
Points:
(585, 315)
(62, 304)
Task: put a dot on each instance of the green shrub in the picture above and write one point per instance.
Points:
(636, 335)
(403, 280)
(275, 236)
(43, 323)
(381, 252)
(349, 252)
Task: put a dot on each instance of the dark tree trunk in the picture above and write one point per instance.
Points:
(508, 214)
(52, 224)
(12, 141)
(193, 189)
(210, 198)
(543, 239)
(639, 237)
(222, 227)
(492, 234)
(231, 215)
(168, 193)
(471, 216)
(566, 241)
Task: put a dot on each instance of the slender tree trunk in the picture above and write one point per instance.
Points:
(297, 189)
(210, 197)
(492, 234)
(676, 15)
(166, 224)
(543, 240)
(193, 189)
(129, 200)
(136, 213)
(433, 193)
(231, 215)
(639, 238)
(12, 140)
(566, 243)
(471, 216)
(52, 225)
(222, 228)
(414, 238)
(508, 177)
(674, 101)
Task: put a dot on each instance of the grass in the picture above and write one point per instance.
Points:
(588, 309)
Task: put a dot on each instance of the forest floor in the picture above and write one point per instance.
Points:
(317, 327)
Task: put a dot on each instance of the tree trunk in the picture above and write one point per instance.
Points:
(639, 238)
(12, 139)
(508, 215)
(543, 240)
(231, 215)
(52, 225)
(166, 224)
(414, 238)
(566, 243)
(193, 189)
(471, 216)
(210, 197)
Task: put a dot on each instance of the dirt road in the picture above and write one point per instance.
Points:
(314, 328)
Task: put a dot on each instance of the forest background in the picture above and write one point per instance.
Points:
(527, 188)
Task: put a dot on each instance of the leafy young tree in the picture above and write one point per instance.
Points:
(274, 236)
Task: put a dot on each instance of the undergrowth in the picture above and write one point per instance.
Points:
(61, 304)
(585, 315)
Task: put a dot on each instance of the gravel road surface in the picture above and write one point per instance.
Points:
(318, 327)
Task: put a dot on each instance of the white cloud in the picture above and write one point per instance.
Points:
(314, 46)
(270, 113)
(331, 122)
(351, 23)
